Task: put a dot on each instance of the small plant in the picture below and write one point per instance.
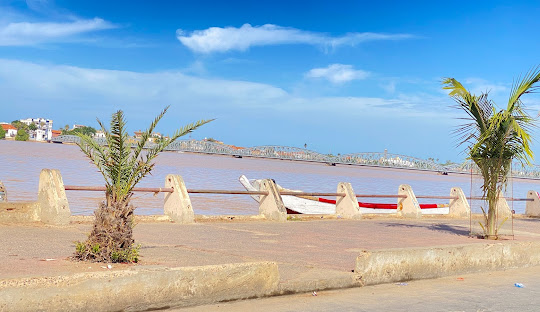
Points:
(130, 255)
(80, 247)
(95, 248)
(292, 218)
(123, 165)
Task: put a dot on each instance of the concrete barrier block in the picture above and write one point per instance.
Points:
(18, 212)
(503, 210)
(271, 206)
(408, 207)
(52, 199)
(177, 205)
(3, 193)
(141, 289)
(347, 206)
(532, 208)
(459, 207)
(404, 264)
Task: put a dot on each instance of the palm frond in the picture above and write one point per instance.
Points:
(153, 152)
(96, 153)
(479, 109)
(527, 85)
(121, 167)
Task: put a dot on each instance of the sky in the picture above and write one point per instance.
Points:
(339, 76)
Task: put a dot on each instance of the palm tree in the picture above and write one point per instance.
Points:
(111, 239)
(495, 137)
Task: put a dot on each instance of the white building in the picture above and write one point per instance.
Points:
(44, 128)
(40, 135)
(11, 131)
(99, 134)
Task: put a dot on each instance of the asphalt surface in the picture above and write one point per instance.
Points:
(494, 291)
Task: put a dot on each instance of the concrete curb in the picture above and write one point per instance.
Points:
(404, 264)
(331, 281)
(140, 289)
(160, 288)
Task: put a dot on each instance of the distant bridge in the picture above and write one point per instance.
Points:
(376, 159)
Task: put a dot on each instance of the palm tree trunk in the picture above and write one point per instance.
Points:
(491, 226)
(111, 239)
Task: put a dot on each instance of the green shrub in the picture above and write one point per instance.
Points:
(22, 135)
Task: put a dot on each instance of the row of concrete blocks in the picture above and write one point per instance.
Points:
(52, 206)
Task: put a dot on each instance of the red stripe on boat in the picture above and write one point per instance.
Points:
(379, 205)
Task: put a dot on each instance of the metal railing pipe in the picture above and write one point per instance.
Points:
(508, 199)
(381, 196)
(103, 188)
(310, 194)
(437, 197)
(192, 191)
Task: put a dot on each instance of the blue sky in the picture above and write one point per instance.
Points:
(341, 77)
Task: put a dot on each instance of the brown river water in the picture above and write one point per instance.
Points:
(21, 163)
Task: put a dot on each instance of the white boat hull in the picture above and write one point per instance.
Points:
(307, 206)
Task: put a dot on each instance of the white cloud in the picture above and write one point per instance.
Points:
(217, 39)
(479, 85)
(389, 86)
(27, 33)
(337, 73)
(31, 89)
(39, 5)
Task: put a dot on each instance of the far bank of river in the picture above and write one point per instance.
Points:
(21, 162)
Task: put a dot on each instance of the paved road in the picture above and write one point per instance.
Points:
(484, 292)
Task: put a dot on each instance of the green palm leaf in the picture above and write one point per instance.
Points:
(122, 167)
(495, 138)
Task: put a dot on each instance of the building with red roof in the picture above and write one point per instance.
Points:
(11, 131)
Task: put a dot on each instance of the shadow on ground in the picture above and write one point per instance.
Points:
(439, 227)
(530, 219)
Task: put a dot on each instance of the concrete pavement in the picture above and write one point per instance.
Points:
(297, 246)
(313, 254)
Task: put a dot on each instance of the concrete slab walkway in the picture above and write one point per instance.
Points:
(303, 250)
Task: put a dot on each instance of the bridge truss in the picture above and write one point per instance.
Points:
(376, 159)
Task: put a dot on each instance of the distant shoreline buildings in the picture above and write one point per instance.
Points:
(10, 130)
(41, 131)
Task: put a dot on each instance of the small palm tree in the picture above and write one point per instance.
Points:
(495, 137)
(122, 167)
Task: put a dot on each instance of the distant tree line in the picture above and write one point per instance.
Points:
(22, 130)
(82, 130)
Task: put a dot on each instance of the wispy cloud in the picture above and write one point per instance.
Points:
(27, 86)
(218, 39)
(479, 85)
(43, 6)
(27, 33)
(337, 73)
(389, 86)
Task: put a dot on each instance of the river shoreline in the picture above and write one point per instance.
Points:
(21, 162)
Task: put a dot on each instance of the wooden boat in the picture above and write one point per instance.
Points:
(319, 205)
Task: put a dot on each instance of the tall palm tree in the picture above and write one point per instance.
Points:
(122, 167)
(495, 137)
